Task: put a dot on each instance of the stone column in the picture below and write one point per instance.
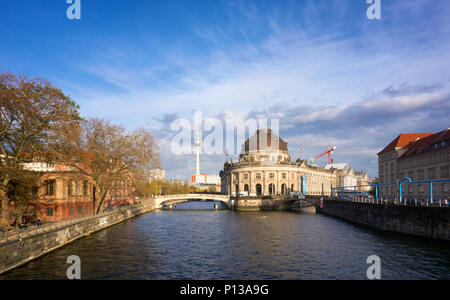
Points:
(278, 185)
(250, 183)
(263, 192)
(288, 181)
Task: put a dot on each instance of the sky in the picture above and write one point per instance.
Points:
(329, 74)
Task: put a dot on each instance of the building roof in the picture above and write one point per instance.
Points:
(341, 166)
(265, 140)
(404, 140)
(429, 143)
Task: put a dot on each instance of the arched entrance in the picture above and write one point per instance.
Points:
(258, 190)
(283, 189)
(292, 188)
(246, 188)
(271, 189)
(237, 189)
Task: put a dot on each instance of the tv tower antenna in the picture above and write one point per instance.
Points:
(198, 145)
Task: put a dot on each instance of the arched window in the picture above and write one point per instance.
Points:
(271, 189)
(258, 190)
(246, 188)
(283, 189)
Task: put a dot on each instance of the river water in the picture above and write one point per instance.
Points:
(196, 242)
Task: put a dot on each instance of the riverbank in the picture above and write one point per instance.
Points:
(430, 222)
(27, 248)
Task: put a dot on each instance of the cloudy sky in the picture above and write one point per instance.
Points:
(327, 72)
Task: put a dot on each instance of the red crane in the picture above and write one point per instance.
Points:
(329, 152)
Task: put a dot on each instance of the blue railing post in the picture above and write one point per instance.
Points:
(376, 191)
(431, 193)
(400, 192)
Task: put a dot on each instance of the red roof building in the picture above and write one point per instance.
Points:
(419, 156)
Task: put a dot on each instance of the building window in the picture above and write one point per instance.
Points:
(49, 212)
(245, 176)
(271, 175)
(79, 210)
(420, 175)
(50, 187)
(70, 188)
(444, 172)
(421, 189)
(284, 175)
(87, 210)
(432, 173)
(258, 175)
(444, 188)
(71, 211)
(85, 188)
(258, 190)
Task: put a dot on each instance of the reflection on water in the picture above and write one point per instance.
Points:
(196, 242)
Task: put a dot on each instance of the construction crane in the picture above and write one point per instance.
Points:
(329, 152)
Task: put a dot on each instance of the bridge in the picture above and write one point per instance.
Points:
(162, 201)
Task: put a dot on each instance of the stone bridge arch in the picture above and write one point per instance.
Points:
(176, 199)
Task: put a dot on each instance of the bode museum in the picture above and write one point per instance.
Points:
(265, 169)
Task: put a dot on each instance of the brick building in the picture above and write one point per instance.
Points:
(62, 192)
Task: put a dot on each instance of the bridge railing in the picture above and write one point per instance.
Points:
(427, 196)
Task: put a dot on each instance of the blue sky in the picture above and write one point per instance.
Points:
(327, 72)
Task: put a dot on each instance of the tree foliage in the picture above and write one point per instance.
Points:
(36, 120)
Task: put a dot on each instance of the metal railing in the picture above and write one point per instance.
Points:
(355, 194)
(16, 234)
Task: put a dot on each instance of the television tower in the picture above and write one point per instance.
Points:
(198, 144)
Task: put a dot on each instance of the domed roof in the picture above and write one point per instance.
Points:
(265, 140)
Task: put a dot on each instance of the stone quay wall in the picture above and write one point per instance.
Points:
(19, 251)
(269, 203)
(425, 221)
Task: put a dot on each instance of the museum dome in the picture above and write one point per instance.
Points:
(265, 146)
(265, 140)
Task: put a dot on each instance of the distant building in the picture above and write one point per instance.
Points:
(419, 156)
(206, 179)
(363, 180)
(347, 177)
(265, 169)
(156, 174)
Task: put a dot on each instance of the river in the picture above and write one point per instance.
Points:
(196, 242)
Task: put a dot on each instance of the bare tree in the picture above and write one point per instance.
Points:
(36, 120)
(114, 155)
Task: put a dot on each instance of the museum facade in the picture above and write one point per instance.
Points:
(265, 169)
